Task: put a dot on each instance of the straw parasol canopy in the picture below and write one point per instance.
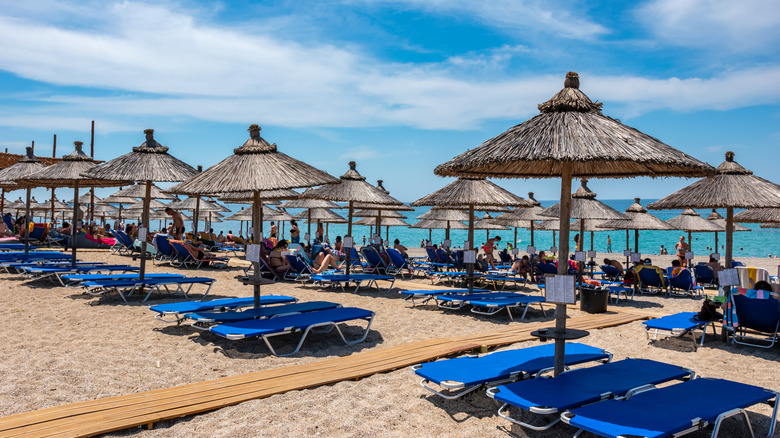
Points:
(86, 198)
(386, 222)
(731, 187)
(444, 214)
(256, 166)
(572, 138)
(691, 221)
(58, 205)
(303, 202)
(113, 199)
(771, 225)
(524, 217)
(146, 163)
(268, 196)
(322, 215)
(221, 207)
(71, 171)
(758, 215)
(718, 219)
(17, 205)
(352, 188)
(9, 180)
(374, 213)
(191, 203)
(638, 219)
(139, 191)
(437, 224)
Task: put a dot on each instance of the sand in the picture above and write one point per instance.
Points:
(60, 346)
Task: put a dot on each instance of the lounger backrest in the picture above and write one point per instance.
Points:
(548, 268)
(354, 257)
(610, 271)
(297, 264)
(756, 313)
(164, 245)
(442, 256)
(181, 250)
(703, 273)
(650, 277)
(8, 223)
(683, 280)
(372, 256)
(396, 258)
(432, 257)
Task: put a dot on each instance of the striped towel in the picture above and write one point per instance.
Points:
(748, 276)
(729, 316)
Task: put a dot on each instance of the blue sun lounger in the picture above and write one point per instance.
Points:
(674, 410)
(127, 287)
(302, 322)
(678, 325)
(459, 301)
(423, 296)
(180, 310)
(58, 272)
(72, 280)
(572, 389)
(204, 320)
(471, 372)
(340, 280)
(491, 306)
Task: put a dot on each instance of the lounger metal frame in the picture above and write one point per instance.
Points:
(680, 332)
(156, 286)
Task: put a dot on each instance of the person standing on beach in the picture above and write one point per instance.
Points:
(274, 229)
(576, 242)
(178, 223)
(681, 248)
(320, 231)
(295, 233)
(609, 243)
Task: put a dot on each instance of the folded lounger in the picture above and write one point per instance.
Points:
(491, 306)
(180, 310)
(204, 320)
(72, 280)
(582, 386)
(423, 296)
(674, 410)
(127, 287)
(471, 372)
(302, 322)
(678, 325)
(340, 280)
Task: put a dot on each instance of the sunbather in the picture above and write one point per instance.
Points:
(323, 262)
(278, 261)
(616, 264)
(522, 266)
(199, 251)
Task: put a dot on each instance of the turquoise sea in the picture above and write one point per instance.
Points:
(756, 243)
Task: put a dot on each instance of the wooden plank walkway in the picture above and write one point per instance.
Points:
(145, 408)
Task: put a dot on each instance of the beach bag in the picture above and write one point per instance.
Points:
(709, 311)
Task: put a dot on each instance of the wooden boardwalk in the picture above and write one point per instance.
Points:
(146, 408)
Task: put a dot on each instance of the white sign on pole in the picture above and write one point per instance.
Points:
(376, 240)
(531, 249)
(591, 254)
(307, 236)
(326, 239)
(559, 289)
(348, 242)
(428, 243)
(447, 243)
(689, 255)
(728, 277)
(469, 256)
(515, 251)
(142, 234)
(636, 257)
(466, 245)
(627, 253)
(716, 256)
(253, 253)
(579, 256)
(553, 249)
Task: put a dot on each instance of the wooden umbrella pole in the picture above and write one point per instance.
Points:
(308, 223)
(257, 210)
(27, 223)
(636, 241)
(91, 204)
(532, 234)
(690, 243)
(563, 263)
(195, 218)
(628, 247)
(349, 234)
(729, 237)
(447, 232)
(73, 226)
(53, 155)
(145, 224)
(514, 243)
(470, 268)
(387, 233)
(716, 242)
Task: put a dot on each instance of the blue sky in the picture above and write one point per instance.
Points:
(399, 86)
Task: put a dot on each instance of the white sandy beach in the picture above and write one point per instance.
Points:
(60, 346)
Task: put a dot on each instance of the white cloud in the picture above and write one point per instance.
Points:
(360, 153)
(744, 25)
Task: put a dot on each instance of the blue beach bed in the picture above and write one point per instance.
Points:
(339, 280)
(180, 310)
(572, 389)
(302, 322)
(678, 325)
(127, 287)
(204, 320)
(423, 296)
(471, 372)
(674, 410)
(491, 306)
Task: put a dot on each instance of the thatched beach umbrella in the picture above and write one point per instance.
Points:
(638, 219)
(718, 219)
(139, 191)
(445, 215)
(758, 215)
(54, 205)
(487, 223)
(731, 187)
(70, 172)
(524, 217)
(9, 178)
(438, 224)
(118, 200)
(256, 166)
(471, 193)
(692, 222)
(309, 204)
(572, 138)
(352, 188)
(147, 163)
(386, 222)
(771, 225)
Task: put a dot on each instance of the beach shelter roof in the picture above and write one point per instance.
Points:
(718, 219)
(113, 199)
(86, 198)
(139, 191)
(245, 214)
(302, 202)
(691, 221)
(771, 225)
(320, 214)
(758, 215)
(268, 196)
(638, 219)
(153, 204)
(436, 224)
(374, 213)
(221, 207)
(488, 223)
(279, 215)
(104, 209)
(18, 204)
(10, 176)
(386, 222)
(478, 192)
(58, 205)
(532, 213)
(592, 225)
(189, 203)
(584, 205)
(444, 214)
(352, 187)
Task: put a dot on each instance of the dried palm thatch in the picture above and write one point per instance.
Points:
(352, 187)
(268, 196)
(255, 166)
(386, 222)
(370, 206)
(477, 193)
(304, 202)
(112, 199)
(571, 129)
(17, 205)
(86, 198)
(139, 191)
(437, 224)
(585, 206)
(26, 166)
(153, 204)
(189, 204)
(69, 172)
(221, 207)
(691, 221)
(771, 225)
(758, 215)
(104, 209)
(58, 205)
(722, 223)
(148, 162)
(279, 215)
(444, 214)
(487, 222)
(375, 213)
(638, 219)
(322, 215)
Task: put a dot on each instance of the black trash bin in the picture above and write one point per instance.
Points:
(594, 299)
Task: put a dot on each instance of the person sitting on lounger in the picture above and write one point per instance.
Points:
(199, 251)
(614, 263)
(522, 266)
(676, 268)
(400, 248)
(323, 262)
(278, 261)
(715, 266)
